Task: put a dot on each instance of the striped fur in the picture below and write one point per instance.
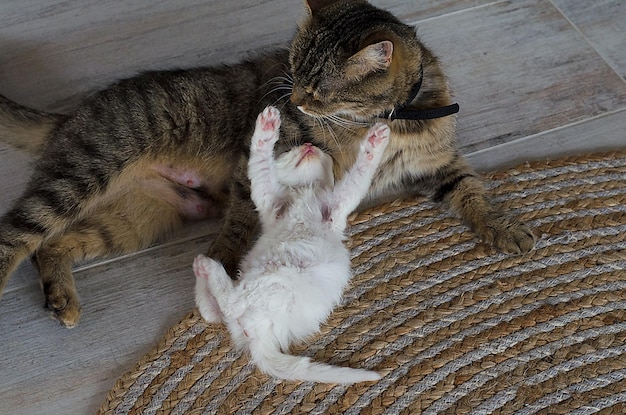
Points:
(100, 188)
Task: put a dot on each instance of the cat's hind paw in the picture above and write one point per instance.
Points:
(64, 304)
(267, 127)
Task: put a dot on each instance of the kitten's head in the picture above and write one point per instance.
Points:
(351, 58)
(303, 166)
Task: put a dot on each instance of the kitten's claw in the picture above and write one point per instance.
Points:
(267, 126)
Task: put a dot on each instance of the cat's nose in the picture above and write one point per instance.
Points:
(297, 98)
(295, 101)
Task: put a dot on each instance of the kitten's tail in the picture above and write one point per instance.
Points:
(271, 360)
(25, 128)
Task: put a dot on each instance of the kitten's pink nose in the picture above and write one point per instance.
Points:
(308, 144)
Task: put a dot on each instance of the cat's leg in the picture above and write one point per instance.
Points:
(241, 224)
(460, 188)
(129, 223)
(261, 163)
(40, 214)
(353, 187)
(68, 181)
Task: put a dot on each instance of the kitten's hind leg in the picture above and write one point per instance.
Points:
(213, 286)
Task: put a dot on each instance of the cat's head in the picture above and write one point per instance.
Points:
(352, 59)
(303, 166)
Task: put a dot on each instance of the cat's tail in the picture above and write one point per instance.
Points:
(25, 128)
(269, 359)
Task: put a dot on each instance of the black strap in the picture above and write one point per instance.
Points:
(429, 114)
(401, 113)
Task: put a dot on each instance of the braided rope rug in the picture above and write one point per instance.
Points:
(453, 325)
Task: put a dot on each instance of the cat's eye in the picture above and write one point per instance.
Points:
(314, 93)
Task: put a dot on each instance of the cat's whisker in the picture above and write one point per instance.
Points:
(343, 123)
(349, 121)
(326, 125)
(288, 76)
(322, 127)
(281, 98)
(280, 81)
(277, 89)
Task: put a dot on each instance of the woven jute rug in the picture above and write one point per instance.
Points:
(454, 326)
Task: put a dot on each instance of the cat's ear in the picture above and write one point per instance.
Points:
(371, 58)
(316, 5)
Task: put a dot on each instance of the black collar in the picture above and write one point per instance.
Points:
(401, 113)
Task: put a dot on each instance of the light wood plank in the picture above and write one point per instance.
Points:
(520, 68)
(127, 306)
(603, 133)
(603, 23)
(53, 53)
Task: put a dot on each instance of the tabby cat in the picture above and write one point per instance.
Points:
(136, 159)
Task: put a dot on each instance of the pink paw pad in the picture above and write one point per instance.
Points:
(198, 268)
(378, 134)
(270, 119)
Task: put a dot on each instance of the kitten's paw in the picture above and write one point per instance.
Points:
(202, 267)
(205, 301)
(267, 126)
(209, 269)
(376, 140)
(64, 304)
(508, 235)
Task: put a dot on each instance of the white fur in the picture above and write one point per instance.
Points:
(295, 274)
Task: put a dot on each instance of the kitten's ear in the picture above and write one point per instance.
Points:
(372, 58)
(316, 5)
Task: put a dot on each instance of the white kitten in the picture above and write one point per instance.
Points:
(295, 274)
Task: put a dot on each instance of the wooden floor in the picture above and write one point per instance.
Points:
(534, 78)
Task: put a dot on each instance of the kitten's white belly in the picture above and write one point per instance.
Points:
(294, 284)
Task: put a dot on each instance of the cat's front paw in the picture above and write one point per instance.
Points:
(507, 234)
(376, 141)
(267, 127)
